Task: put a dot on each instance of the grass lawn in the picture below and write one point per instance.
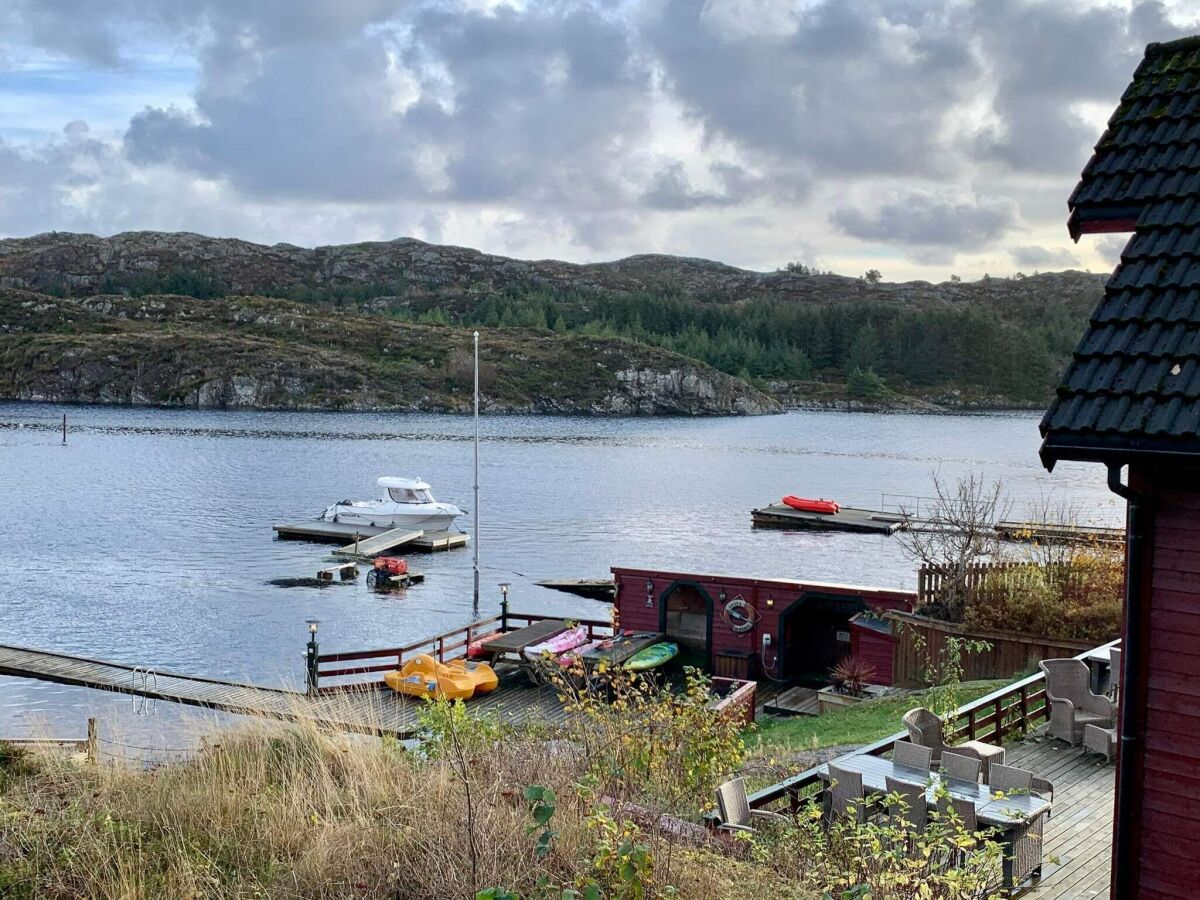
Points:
(859, 724)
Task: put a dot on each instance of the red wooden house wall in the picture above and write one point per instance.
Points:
(1167, 775)
(876, 648)
(770, 598)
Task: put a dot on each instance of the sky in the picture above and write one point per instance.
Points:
(922, 138)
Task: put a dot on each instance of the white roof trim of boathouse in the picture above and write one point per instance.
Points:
(412, 484)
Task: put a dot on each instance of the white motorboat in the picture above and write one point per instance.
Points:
(405, 502)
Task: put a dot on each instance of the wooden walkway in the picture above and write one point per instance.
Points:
(1078, 850)
(369, 709)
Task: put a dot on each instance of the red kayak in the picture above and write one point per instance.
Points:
(827, 507)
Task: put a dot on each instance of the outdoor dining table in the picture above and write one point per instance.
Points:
(1099, 663)
(1019, 819)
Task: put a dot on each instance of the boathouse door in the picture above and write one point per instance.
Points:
(685, 617)
(814, 633)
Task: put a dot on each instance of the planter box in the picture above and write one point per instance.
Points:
(828, 698)
(734, 698)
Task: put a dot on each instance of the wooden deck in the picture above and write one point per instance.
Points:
(1078, 851)
(365, 708)
(371, 540)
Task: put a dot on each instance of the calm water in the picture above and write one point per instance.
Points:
(148, 539)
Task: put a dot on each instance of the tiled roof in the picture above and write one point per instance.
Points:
(1133, 385)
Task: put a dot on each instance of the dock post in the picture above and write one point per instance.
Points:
(504, 606)
(310, 657)
(92, 754)
(64, 429)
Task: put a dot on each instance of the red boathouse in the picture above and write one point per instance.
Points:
(1131, 400)
(755, 628)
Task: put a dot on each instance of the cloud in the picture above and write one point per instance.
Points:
(849, 87)
(926, 220)
(1031, 256)
(592, 128)
(1046, 59)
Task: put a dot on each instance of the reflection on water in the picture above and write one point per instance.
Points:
(147, 538)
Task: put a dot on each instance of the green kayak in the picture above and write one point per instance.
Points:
(652, 657)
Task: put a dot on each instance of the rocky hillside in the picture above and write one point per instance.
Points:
(85, 264)
(253, 352)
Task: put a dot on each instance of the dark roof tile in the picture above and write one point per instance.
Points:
(1134, 380)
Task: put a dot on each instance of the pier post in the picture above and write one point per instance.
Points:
(504, 606)
(64, 429)
(310, 657)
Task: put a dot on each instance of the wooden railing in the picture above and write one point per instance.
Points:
(442, 647)
(1010, 712)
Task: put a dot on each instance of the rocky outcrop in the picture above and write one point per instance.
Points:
(257, 353)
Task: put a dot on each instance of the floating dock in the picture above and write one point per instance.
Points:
(848, 518)
(371, 540)
(595, 588)
(1046, 532)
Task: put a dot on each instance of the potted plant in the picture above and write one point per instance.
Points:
(849, 683)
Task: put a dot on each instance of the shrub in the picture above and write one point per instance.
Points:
(1078, 596)
(851, 675)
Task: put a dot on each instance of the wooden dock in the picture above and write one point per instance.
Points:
(1051, 533)
(848, 518)
(371, 540)
(595, 588)
(363, 708)
(378, 545)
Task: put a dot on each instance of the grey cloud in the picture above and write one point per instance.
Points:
(671, 189)
(927, 221)
(1032, 256)
(854, 88)
(1111, 245)
(539, 105)
(1045, 57)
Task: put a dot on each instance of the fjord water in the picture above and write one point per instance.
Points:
(147, 538)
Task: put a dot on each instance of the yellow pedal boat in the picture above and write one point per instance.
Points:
(424, 676)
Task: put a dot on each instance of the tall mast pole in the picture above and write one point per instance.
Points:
(476, 535)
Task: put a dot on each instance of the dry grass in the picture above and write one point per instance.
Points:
(290, 811)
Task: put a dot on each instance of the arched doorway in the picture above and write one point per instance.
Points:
(685, 617)
(814, 633)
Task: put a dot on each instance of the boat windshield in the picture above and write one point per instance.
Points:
(404, 495)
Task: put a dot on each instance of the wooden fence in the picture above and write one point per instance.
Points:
(1006, 714)
(930, 582)
(920, 640)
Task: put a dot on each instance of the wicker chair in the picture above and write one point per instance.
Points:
(960, 766)
(734, 808)
(1114, 671)
(1010, 780)
(914, 756)
(925, 728)
(914, 814)
(963, 810)
(846, 794)
(1072, 703)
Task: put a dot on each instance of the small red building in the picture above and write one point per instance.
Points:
(751, 627)
(1131, 398)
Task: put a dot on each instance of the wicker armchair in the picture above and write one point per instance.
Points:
(734, 808)
(1072, 703)
(925, 728)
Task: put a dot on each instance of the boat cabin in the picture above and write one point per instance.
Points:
(405, 490)
(749, 628)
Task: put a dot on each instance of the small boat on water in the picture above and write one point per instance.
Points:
(406, 502)
(805, 504)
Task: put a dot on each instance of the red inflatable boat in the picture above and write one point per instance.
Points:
(828, 507)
